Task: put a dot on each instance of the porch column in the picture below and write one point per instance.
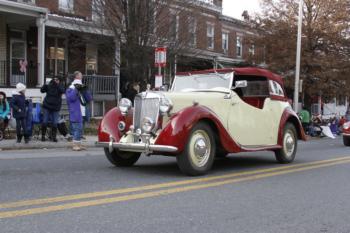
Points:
(117, 66)
(40, 22)
(117, 57)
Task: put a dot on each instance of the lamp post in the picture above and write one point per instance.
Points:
(297, 69)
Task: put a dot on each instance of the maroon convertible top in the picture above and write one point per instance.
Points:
(252, 71)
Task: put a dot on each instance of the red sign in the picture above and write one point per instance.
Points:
(160, 57)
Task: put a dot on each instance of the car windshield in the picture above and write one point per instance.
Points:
(202, 82)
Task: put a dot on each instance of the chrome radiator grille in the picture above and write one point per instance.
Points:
(145, 107)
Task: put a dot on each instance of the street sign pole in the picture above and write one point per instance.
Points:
(297, 70)
(160, 61)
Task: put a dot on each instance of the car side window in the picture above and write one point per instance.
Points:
(275, 88)
(256, 88)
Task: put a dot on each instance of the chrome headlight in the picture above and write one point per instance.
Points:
(165, 105)
(125, 105)
(346, 125)
(147, 124)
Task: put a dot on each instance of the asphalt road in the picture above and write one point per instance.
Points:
(61, 191)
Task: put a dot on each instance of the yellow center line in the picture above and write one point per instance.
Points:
(40, 210)
(49, 200)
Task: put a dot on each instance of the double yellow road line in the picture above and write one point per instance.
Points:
(52, 204)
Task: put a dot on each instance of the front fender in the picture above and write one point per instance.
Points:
(177, 131)
(109, 125)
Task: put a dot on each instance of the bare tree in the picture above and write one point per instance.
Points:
(142, 25)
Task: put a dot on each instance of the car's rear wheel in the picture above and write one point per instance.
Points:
(122, 158)
(346, 140)
(198, 155)
(289, 145)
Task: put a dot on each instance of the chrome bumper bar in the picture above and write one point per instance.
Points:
(136, 147)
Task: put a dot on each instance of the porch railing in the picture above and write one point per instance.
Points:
(97, 84)
(11, 73)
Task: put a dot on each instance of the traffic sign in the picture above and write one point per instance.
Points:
(160, 57)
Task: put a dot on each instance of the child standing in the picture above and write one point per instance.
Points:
(18, 104)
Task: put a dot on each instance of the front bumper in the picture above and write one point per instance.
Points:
(136, 147)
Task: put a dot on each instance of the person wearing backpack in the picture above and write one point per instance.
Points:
(51, 107)
(77, 109)
(4, 111)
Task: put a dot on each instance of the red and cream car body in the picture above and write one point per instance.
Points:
(346, 133)
(206, 114)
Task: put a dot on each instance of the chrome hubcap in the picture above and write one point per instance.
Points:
(289, 144)
(200, 148)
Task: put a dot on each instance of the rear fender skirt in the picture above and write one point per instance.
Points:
(109, 125)
(177, 130)
(290, 116)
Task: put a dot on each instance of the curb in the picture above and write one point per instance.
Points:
(40, 147)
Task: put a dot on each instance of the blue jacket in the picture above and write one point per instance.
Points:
(18, 104)
(73, 103)
(4, 111)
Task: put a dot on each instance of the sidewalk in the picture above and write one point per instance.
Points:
(10, 144)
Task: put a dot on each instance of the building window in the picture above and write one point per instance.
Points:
(98, 10)
(56, 56)
(66, 5)
(252, 50)
(210, 36)
(239, 47)
(174, 27)
(225, 42)
(91, 59)
(192, 29)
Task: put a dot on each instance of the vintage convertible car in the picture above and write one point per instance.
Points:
(346, 134)
(205, 115)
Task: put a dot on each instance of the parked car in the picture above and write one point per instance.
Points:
(346, 133)
(205, 114)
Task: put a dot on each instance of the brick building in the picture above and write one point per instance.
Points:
(216, 40)
(56, 37)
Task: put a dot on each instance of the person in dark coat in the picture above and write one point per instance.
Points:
(131, 92)
(51, 106)
(18, 104)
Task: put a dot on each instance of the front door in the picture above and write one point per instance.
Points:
(17, 62)
(250, 122)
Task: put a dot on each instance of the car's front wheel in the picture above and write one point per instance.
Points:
(198, 155)
(122, 158)
(289, 145)
(346, 140)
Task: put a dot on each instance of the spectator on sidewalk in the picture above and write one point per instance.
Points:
(51, 107)
(131, 92)
(18, 104)
(4, 111)
(88, 98)
(305, 119)
(76, 106)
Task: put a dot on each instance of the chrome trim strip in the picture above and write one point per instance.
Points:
(136, 147)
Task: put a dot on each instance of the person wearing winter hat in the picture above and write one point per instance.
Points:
(77, 109)
(4, 110)
(18, 104)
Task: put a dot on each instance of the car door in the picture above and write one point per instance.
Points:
(250, 123)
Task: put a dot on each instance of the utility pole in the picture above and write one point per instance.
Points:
(297, 70)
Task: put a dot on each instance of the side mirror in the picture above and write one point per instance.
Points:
(240, 84)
